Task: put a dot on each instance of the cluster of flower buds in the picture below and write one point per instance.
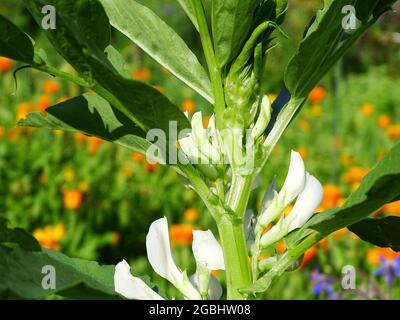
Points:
(298, 184)
(242, 84)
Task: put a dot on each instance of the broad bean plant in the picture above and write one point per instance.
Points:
(219, 162)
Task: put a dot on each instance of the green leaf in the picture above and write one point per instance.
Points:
(14, 43)
(231, 23)
(144, 105)
(326, 42)
(160, 41)
(380, 186)
(382, 232)
(82, 29)
(96, 118)
(17, 235)
(23, 270)
(21, 266)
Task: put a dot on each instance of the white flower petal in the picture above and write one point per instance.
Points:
(276, 233)
(159, 252)
(306, 204)
(206, 249)
(132, 287)
(295, 179)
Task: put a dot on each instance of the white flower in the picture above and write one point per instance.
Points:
(160, 257)
(295, 180)
(202, 146)
(305, 206)
(206, 249)
(132, 287)
(293, 186)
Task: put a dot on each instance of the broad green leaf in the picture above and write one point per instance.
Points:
(17, 235)
(327, 41)
(21, 266)
(160, 41)
(23, 270)
(96, 118)
(231, 23)
(146, 106)
(380, 186)
(14, 43)
(382, 232)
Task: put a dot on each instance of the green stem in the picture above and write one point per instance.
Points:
(237, 267)
(63, 75)
(215, 71)
(283, 121)
(240, 193)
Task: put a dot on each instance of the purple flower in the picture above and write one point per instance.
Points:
(322, 284)
(389, 270)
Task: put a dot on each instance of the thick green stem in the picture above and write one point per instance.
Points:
(239, 194)
(237, 266)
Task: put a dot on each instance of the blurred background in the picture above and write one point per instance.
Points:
(93, 200)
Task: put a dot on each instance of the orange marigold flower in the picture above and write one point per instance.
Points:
(80, 137)
(137, 157)
(181, 234)
(143, 74)
(392, 208)
(393, 131)
(317, 95)
(43, 103)
(384, 121)
(332, 195)
(367, 109)
(191, 214)
(94, 144)
(374, 254)
(50, 236)
(189, 106)
(51, 86)
(2, 132)
(309, 256)
(355, 175)
(5, 64)
(206, 122)
(281, 247)
(72, 199)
